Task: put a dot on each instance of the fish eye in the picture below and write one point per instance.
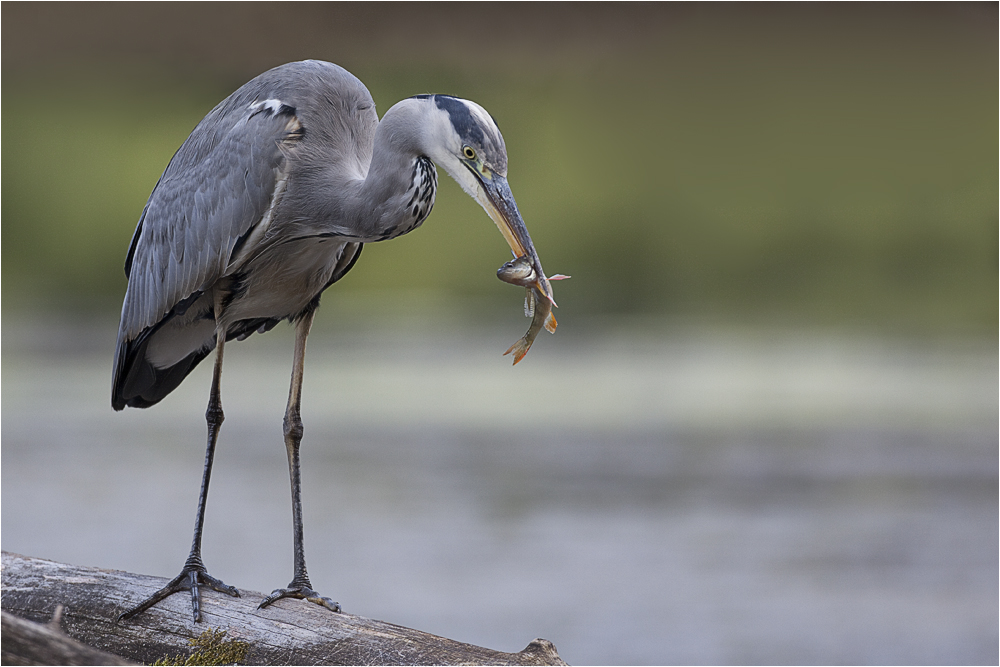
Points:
(469, 152)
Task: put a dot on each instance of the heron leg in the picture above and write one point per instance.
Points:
(194, 574)
(300, 587)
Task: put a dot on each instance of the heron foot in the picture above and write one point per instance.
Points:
(190, 579)
(302, 592)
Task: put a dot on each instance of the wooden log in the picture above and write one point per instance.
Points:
(30, 643)
(288, 632)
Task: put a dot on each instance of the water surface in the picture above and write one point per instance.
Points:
(659, 496)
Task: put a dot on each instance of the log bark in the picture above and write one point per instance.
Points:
(288, 632)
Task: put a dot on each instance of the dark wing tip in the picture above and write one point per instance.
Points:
(139, 384)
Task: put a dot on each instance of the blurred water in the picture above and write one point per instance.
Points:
(645, 496)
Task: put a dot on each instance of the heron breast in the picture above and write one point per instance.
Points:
(281, 281)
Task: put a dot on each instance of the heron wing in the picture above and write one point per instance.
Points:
(214, 195)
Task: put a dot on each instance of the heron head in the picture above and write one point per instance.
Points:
(463, 139)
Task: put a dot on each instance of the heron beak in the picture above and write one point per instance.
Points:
(495, 196)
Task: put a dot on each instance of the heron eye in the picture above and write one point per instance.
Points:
(469, 152)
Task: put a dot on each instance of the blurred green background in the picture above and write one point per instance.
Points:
(831, 165)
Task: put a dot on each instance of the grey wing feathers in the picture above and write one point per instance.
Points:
(215, 189)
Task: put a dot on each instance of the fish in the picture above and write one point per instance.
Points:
(541, 309)
(537, 304)
(519, 271)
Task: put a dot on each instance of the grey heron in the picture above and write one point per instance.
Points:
(267, 203)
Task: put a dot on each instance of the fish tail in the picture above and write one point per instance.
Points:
(520, 348)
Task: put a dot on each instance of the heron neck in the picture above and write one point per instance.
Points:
(398, 191)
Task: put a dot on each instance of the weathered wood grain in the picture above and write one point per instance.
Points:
(29, 643)
(288, 632)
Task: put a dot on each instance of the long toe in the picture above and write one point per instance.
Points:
(218, 585)
(188, 580)
(324, 602)
(301, 593)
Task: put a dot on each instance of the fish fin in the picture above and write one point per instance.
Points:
(550, 323)
(559, 276)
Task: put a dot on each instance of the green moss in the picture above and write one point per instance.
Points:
(211, 648)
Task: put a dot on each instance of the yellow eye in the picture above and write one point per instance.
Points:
(469, 153)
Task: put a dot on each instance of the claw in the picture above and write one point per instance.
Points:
(188, 580)
(325, 602)
(301, 592)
